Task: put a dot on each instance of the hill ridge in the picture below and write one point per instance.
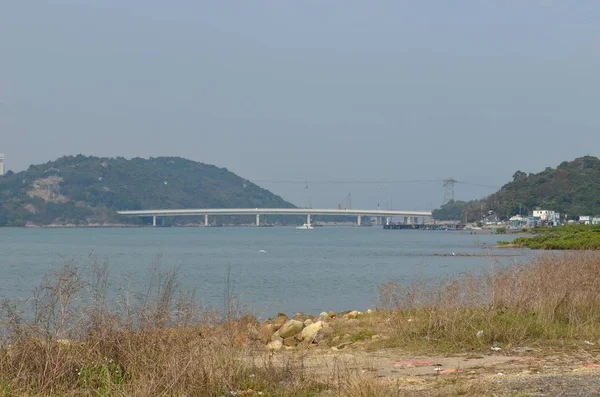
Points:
(87, 190)
(572, 188)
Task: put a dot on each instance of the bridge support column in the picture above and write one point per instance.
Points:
(358, 220)
(308, 219)
(205, 220)
(387, 220)
(154, 221)
(257, 219)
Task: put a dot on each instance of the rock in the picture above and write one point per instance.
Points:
(265, 332)
(335, 340)
(332, 314)
(322, 334)
(277, 345)
(276, 337)
(291, 341)
(308, 322)
(369, 311)
(352, 315)
(290, 328)
(310, 332)
(279, 321)
(324, 316)
(302, 317)
(375, 336)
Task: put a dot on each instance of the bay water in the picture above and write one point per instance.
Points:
(271, 269)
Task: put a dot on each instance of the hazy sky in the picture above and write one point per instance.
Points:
(307, 90)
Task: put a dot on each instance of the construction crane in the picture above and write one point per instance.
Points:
(348, 202)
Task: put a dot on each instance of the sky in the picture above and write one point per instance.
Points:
(316, 91)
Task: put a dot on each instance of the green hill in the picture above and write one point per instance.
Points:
(81, 190)
(572, 188)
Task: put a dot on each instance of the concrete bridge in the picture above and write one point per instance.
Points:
(415, 216)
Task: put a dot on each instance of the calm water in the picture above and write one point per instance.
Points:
(335, 268)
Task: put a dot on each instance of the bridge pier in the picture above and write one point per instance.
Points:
(205, 220)
(308, 219)
(358, 220)
(257, 219)
(154, 221)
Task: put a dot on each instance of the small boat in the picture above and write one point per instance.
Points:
(306, 226)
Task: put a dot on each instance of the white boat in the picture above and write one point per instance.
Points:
(306, 226)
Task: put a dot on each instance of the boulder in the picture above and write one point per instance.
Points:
(308, 322)
(279, 321)
(277, 345)
(332, 314)
(276, 337)
(352, 315)
(310, 332)
(291, 341)
(323, 333)
(265, 332)
(324, 316)
(302, 317)
(290, 328)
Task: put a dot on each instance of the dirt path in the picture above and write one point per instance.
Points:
(497, 374)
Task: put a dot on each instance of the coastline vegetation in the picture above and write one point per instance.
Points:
(75, 340)
(568, 237)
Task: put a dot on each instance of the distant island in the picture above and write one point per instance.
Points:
(86, 191)
(571, 189)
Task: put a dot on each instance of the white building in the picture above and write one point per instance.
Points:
(546, 215)
(585, 219)
(1, 164)
(595, 221)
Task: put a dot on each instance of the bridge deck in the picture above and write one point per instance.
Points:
(273, 211)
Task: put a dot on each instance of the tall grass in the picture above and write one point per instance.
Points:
(554, 297)
(75, 340)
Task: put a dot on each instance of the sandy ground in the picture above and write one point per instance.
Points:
(531, 373)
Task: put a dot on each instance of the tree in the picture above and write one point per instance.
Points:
(519, 175)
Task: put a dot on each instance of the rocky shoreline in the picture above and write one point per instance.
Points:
(307, 331)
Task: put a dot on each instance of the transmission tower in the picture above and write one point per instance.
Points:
(449, 190)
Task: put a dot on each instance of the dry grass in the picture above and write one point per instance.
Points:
(555, 298)
(75, 340)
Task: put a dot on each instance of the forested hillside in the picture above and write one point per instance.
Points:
(81, 190)
(572, 188)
